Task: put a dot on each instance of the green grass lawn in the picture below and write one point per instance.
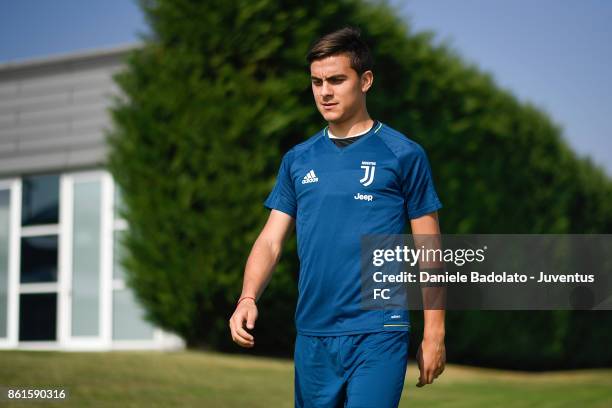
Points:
(202, 379)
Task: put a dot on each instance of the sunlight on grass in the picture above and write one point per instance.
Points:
(204, 379)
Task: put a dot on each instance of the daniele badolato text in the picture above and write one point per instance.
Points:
(460, 258)
(478, 277)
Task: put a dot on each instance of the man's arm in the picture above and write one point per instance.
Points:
(431, 356)
(264, 256)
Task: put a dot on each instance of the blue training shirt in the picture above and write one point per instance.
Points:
(336, 195)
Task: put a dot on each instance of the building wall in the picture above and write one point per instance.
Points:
(53, 112)
(62, 284)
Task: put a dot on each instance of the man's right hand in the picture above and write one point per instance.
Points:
(257, 272)
(245, 313)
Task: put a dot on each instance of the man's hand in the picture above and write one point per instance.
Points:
(431, 358)
(246, 312)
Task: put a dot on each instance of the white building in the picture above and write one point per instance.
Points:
(61, 285)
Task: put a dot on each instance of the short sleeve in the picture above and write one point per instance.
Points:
(282, 197)
(418, 186)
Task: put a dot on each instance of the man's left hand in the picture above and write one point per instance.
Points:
(431, 359)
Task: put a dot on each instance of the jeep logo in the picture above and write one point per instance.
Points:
(364, 197)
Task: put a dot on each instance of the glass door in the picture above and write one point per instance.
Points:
(86, 239)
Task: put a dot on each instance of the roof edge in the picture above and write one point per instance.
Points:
(62, 58)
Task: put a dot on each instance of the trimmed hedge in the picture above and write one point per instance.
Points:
(220, 91)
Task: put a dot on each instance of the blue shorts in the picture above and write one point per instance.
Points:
(354, 371)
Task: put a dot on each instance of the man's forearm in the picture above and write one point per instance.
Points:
(434, 328)
(258, 271)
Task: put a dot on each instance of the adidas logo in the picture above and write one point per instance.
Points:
(310, 177)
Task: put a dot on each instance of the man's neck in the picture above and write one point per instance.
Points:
(351, 127)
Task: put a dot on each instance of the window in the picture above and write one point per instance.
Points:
(40, 200)
(38, 269)
(86, 270)
(39, 259)
(37, 316)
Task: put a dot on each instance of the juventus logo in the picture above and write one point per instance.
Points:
(368, 177)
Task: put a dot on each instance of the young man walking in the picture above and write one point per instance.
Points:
(356, 176)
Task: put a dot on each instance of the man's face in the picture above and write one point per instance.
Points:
(338, 91)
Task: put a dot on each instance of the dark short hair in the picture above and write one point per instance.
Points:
(348, 41)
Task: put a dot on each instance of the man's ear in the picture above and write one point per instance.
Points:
(367, 79)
